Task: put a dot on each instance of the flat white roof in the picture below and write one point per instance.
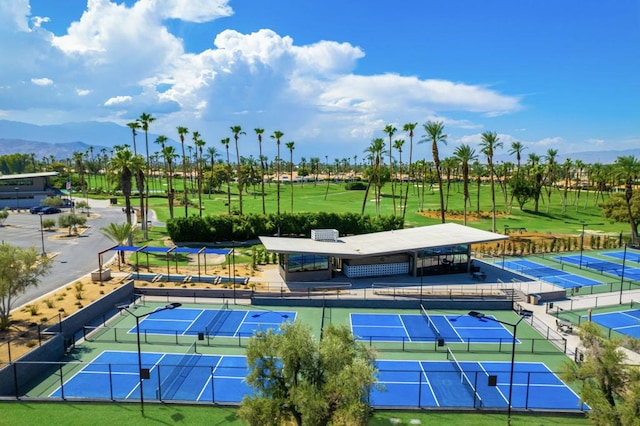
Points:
(388, 242)
(28, 175)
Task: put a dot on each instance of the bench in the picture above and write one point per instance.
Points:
(565, 326)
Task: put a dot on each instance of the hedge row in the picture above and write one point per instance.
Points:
(210, 229)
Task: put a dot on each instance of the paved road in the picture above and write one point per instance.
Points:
(75, 257)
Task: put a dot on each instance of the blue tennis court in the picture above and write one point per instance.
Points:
(213, 322)
(185, 377)
(193, 377)
(466, 384)
(601, 265)
(624, 322)
(630, 256)
(549, 274)
(416, 328)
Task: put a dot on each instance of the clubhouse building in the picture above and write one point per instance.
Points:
(22, 191)
(426, 250)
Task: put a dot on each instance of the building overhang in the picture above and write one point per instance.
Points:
(385, 243)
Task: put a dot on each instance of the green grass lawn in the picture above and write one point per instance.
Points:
(71, 414)
(335, 198)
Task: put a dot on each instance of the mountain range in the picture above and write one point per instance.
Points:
(61, 140)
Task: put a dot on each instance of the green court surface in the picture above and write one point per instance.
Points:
(195, 352)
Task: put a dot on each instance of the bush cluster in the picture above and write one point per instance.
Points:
(210, 229)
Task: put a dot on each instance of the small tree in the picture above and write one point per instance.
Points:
(610, 387)
(297, 379)
(48, 224)
(52, 202)
(20, 268)
(84, 206)
(71, 221)
(4, 214)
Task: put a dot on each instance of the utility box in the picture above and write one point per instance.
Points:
(324, 234)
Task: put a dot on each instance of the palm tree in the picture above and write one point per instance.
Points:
(259, 133)
(376, 149)
(390, 131)
(489, 143)
(408, 127)
(145, 120)
(291, 147)
(237, 131)
(465, 154)
(628, 167)
(397, 144)
(119, 233)
(138, 168)
(550, 176)
(121, 167)
(517, 148)
(182, 132)
(199, 143)
(277, 135)
(478, 170)
(79, 166)
(134, 125)
(169, 154)
(435, 135)
(226, 142)
(212, 154)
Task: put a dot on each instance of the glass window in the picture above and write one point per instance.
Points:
(307, 262)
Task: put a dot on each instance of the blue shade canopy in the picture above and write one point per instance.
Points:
(188, 250)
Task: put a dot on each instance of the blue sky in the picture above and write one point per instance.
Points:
(330, 75)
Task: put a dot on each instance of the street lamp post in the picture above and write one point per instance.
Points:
(584, 225)
(144, 374)
(523, 315)
(624, 261)
(504, 248)
(42, 234)
(17, 199)
(233, 257)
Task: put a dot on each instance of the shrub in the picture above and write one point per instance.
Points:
(33, 309)
(48, 303)
(355, 186)
(79, 288)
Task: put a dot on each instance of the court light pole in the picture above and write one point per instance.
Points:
(144, 374)
(584, 225)
(233, 257)
(624, 261)
(523, 314)
(42, 234)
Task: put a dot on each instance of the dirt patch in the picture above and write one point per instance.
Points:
(471, 215)
(27, 322)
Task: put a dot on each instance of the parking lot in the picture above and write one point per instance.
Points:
(72, 257)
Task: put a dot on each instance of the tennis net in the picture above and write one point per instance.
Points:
(216, 322)
(464, 379)
(170, 385)
(429, 321)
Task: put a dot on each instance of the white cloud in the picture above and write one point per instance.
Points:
(128, 56)
(118, 100)
(42, 81)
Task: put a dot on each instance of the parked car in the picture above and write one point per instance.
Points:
(36, 209)
(50, 210)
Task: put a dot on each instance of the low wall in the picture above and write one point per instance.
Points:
(15, 377)
(95, 310)
(449, 304)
